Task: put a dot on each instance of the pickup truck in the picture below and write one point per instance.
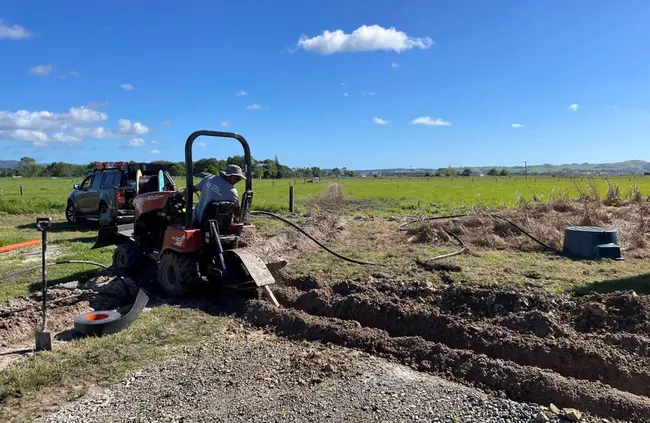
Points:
(107, 194)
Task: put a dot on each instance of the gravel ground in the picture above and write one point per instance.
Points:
(247, 375)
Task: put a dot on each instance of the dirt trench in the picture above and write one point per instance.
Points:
(531, 346)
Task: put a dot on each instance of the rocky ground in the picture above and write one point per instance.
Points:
(248, 375)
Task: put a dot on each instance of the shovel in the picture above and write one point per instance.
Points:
(44, 339)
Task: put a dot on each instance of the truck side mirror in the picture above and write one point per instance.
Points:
(75, 186)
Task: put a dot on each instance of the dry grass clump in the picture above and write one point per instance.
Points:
(613, 196)
(545, 222)
(634, 194)
(560, 200)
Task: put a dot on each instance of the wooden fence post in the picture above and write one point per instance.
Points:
(21, 190)
(290, 198)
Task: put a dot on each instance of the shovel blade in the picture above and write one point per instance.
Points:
(43, 341)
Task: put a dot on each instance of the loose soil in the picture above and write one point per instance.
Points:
(530, 346)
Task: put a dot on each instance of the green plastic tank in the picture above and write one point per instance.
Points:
(591, 243)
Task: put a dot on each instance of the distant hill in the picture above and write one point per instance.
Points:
(8, 164)
(627, 167)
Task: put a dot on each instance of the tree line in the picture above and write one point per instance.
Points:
(448, 172)
(265, 169)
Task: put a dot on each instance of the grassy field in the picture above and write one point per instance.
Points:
(388, 195)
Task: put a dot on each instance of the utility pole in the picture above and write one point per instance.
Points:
(526, 169)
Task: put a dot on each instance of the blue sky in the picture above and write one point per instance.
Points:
(428, 83)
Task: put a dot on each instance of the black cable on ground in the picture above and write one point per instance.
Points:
(455, 253)
(324, 247)
(18, 272)
(542, 243)
(495, 217)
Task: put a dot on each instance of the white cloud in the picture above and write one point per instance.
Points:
(167, 122)
(345, 94)
(574, 107)
(364, 38)
(135, 128)
(74, 73)
(155, 152)
(202, 143)
(85, 114)
(517, 125)
(71, 126)
(368, 93)
(139, 128)
(13, 32)
(61, 137)
(379, 121)
(241, 92)
(426, 120)
(44, 120)
(127, 87)
(95, 132)
(254, 107)
(24, 135)
(342, 83)
(394, 65)
(154, 142)
(40, 70)
(135, 142)
(224, 124)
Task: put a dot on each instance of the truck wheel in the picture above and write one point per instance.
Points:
(127, 257)
(177, 273)
(71, 213)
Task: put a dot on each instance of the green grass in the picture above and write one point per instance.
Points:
(69, 371)
(390, 195)
(441, 195)
(69, 241)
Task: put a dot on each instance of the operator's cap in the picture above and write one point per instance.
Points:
(233, 170)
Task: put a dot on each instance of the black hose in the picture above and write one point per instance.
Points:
(18, 272)
(495, 217)
(542, 243)
(455, 253)
(324, 247)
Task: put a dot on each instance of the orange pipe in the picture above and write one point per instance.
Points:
(19, 245)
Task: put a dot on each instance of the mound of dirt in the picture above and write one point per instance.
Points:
(531, 346)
